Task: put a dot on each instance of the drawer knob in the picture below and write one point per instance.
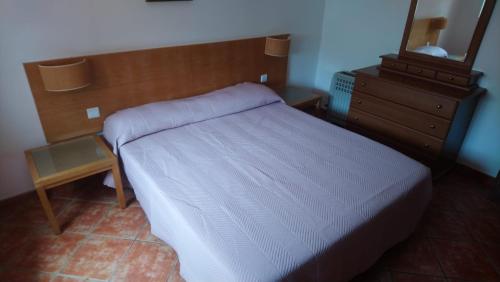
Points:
(363, 84)
(420, 71)
(451, 78)
(439, 106)
(432, 126)
(356, 118)
(427, 146)
(360, 102)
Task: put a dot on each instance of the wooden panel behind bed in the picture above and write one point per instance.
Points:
(126, 79)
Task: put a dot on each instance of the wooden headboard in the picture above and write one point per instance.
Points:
(425, 31)
(127, 79)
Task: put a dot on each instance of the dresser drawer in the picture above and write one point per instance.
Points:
(410, 97)
(421, 71)
(454, 79)
(393, 130)
(420, 121)
(394, 65)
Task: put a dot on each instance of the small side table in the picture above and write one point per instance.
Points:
(54, 165)
(300, 98)
(304, 99)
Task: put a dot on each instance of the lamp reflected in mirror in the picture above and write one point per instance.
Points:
(444, 28)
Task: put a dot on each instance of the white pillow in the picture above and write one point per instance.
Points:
(133, 123)
(434, 51)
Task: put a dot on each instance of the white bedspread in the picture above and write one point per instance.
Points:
(273, 194)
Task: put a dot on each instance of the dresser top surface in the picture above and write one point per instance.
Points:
(420, 64)
(432, 88)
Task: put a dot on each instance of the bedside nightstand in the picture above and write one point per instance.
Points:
(300, 98)
(54, 165)
(304, 99)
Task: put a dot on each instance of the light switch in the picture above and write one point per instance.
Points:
(263, 78)
(93, 113)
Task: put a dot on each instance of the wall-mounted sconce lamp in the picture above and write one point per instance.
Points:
(439, 23)
(65, 77)
(277, 46)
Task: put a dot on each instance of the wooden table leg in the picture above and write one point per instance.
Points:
(47, 207)
(118, 186)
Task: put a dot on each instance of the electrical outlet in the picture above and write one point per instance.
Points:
(93, 113)
(263, 78)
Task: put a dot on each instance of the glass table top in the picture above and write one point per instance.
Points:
(67, 155)
(297, 95)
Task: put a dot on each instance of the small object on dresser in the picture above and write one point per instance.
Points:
(57, 164)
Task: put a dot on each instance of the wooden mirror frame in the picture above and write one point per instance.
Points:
(465, 66)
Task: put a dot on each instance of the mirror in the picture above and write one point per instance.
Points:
(444, 28)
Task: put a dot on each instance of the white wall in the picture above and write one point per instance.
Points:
(356, 32)
(481, 148)
(433, 9)
(34, 30)
(352, 33)
(462, 21)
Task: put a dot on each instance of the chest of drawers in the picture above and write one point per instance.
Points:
(424, 120)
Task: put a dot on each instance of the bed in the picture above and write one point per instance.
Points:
(246, 188)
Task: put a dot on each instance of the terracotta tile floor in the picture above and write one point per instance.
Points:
(457, 240)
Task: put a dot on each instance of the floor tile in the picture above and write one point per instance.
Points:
(48, 253)
(8, 209)
(98, 194)
(493, 252)
(125, 223)
(145, 235)
(103, 194)
(405, 277)
(134, 203)
(12, 239)
(472, 201)
(97, 257)
(445, 224)
(27, 242)
(459, 280)
(413, 256)
(442, 200)
(176, 275)
(67, 191)
(374, 274)
(460, 193)
(464, 260)
(82, 216)
(485, 227)
(148, 262)
(61, 278)
(33, 214)
(467, 179)
(24, 276)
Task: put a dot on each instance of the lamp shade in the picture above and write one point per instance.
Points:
(65, 77)
(439, 23)
(277, 47)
